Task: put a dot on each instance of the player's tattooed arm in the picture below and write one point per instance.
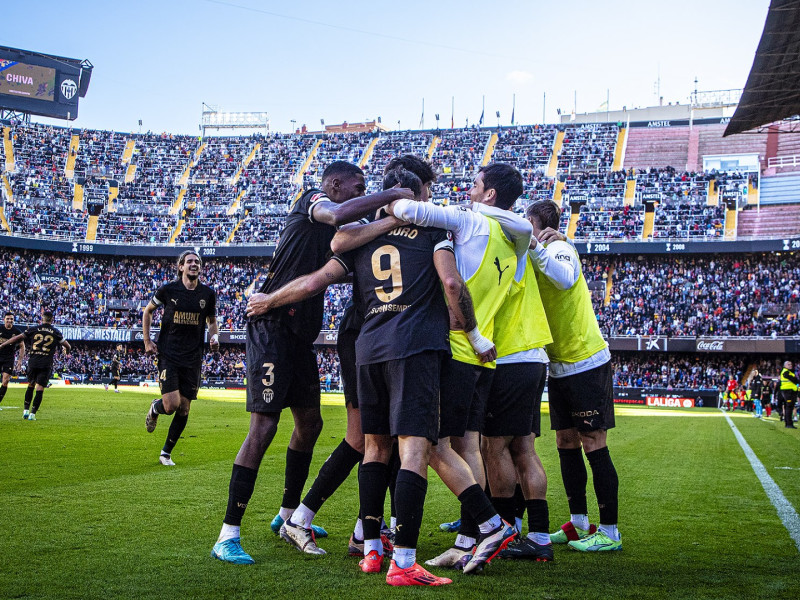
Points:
(355, 235)
(462, 309)
(66, 345)
(297, 290)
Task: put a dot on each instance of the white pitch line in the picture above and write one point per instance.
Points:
(786, 511)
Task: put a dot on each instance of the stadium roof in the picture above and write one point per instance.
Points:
(772, 92)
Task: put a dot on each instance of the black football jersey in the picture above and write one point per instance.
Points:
(304, 247)
(42, 342)
(404, 307)
(183, 325)
(7, 353)
(115, 368)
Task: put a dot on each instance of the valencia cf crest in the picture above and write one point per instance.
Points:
(268, 395)
(202, 304)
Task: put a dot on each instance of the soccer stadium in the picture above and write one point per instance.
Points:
(682, 221)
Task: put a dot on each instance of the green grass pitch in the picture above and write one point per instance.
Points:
(86, 511)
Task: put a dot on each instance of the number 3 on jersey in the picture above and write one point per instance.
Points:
(393, 273)
(269, 376)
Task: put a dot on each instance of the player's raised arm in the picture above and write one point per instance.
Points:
(355, 235)
(297, 290)
(336, 214)
(460, 303)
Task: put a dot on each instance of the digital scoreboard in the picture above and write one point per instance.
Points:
(42, 84)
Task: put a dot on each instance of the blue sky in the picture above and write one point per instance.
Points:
(356, 60)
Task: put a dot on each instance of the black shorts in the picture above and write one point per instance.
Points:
(346, 347)
(7, 366)
(115, 378)
(281, 369)
(401, 397)
(174, 377)
(584, 401)
(39, 375)
(515, 401)
(462, 397)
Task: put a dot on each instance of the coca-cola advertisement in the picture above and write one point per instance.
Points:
(704, 345)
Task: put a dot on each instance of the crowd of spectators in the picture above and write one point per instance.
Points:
(169, 177)
(676, 370)
(611, 220)
(720, 295)
(588, 148)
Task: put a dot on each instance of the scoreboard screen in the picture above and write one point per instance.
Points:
(42, 84)
(27, 81)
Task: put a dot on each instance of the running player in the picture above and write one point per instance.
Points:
(189, 305)
(7, 331)
(580, 391)
(43, 341)
(115, 374)
(281, 362)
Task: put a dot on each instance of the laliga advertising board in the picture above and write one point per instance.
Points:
(665, 402)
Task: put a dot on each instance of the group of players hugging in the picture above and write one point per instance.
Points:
(444, 350)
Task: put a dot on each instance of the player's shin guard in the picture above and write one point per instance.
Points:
(37, 401)
(538, 516)
(606, 485)
(175, 430)
(505, 507)
(28, 397)
(477, 507)
(297, 465)
(519, 502)
(373, 479)
(243, 481)
(332, 474)
(410, 500)
(573, 473)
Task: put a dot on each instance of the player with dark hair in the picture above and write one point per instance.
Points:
(189, 305)
(281, 362)
(8, 331)
(43, 341)
(580, 388)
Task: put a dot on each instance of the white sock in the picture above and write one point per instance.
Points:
(302, 516)
(611, 531)
(580, 521)
(285, 513)
(404, 557)
(370, 545)
(518, 524)
(393, 522)
(540, 538)
(228, 532)
(358, 530)
(463, 541)
(492, 523)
